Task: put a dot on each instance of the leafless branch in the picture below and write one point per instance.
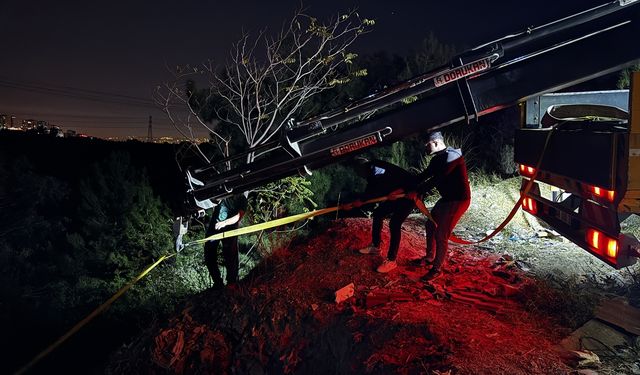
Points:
(265, 82)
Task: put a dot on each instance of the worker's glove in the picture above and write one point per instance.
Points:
(220, 225)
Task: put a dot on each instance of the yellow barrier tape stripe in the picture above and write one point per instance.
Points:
(298, 217)
(228, 234)
(267, 225)
(515, 208)
(90, 317)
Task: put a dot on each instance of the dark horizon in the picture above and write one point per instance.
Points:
(99, 63)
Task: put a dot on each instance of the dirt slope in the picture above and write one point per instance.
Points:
(283, 317)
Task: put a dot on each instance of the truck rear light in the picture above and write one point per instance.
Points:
(526, 170)
(601, 243)
(603, 193)
(612, 248)
(529, 205)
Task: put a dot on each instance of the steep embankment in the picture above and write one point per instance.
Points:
(283, 317)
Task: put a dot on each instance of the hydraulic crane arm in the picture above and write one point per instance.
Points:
(481, 80)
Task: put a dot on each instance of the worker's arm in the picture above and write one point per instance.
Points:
(428, 179)
(229, 221)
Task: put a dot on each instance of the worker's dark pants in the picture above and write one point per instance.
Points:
(229, 252)
(397, 211)
(446, 214)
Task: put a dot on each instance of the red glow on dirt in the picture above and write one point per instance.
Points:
(282, 317)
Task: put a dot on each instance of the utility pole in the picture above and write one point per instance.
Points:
(150, 132)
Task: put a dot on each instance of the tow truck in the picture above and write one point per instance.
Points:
(593, 156)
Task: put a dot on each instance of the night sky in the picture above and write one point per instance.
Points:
(110, 55)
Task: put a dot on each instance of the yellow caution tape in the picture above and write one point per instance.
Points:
(90, 317)
(272, 224)
(302, 216)
(228, 234)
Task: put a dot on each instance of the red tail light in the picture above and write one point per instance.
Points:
(603, 193)
(601, 243)
(526, 170)
(529, 205)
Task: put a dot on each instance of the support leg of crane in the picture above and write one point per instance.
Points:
(180, 227)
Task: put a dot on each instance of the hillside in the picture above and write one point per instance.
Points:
(502, 307)
(283, 318)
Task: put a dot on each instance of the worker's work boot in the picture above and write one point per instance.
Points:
(431, 276)
(418, 262)
(422, 262)
(387, 266)
(371, 250)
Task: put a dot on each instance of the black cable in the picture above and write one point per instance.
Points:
(48, 86)
(81, 97)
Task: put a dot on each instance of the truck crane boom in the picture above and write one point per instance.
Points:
(477, 82)
(595, 163)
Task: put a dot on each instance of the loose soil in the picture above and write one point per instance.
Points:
(490, 313)
(283, 317)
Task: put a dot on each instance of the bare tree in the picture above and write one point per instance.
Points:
(266, 82)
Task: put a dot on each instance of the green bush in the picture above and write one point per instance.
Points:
(116, 228)
(285, 197)
(335, 184)
(122, 229)
(32, 239)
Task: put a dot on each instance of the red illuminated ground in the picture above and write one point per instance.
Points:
(283, 317)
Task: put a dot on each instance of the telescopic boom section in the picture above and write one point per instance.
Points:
(479, 81)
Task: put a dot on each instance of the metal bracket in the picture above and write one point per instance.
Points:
(205, 204)
(292, 148)
(467, 101)
(180, 227)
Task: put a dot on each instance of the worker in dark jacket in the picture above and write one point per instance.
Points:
(384, 178)
(447, 173)
(226, 216)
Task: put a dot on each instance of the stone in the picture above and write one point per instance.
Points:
(620, 313)
(601, 332)
(345, 293)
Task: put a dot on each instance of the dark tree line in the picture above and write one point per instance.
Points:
(67, 244)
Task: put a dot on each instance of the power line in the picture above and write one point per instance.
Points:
(38, 112)
(100, 121)
(76, 96)
(79, 95)
(117, 127)
(50, 86)
(75, 115)
(93, 119)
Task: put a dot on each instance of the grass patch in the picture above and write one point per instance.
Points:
(570, 301)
